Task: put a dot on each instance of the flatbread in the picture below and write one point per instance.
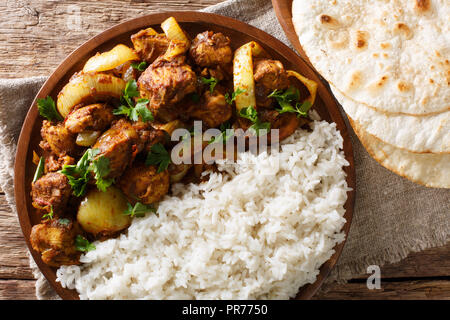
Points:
(391, 55)
(431, 170)
(426, 134)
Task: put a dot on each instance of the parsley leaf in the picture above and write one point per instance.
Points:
(140, 66)
(47, 109)
(82, 244)
(49, 215)
(142, 110)
(139, 210)
(100, 168)
(129, 109)
(158, 155)
(237, 92)
(288, 101)
(211, 81)
(79, 174)
(251, 114)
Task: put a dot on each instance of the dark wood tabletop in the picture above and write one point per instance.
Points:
(36, 35)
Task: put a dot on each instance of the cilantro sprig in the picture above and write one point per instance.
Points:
(79, 174)
(288, 101)
(138, 210)
(129, 108)
(229, 99)
(212, 82)
(140, 66)
(82, 244)
(47, 109)
(251, 114)
(158, 155)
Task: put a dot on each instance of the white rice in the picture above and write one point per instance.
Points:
(259, 232)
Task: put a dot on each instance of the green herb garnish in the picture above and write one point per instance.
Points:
(79, 174)
(39, 170)
(140, 66)
(237, 92)
(139, 210)
(129, 109)
(251, 114)
(49, 215)
(82, 244)
(158, 155)
(211, 81)
(100, 168)
(288, 101)
(47, 109)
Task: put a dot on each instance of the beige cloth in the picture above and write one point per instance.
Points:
(392, 216)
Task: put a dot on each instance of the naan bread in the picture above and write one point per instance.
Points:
(427, 134)
(431, 170)
(391, 55)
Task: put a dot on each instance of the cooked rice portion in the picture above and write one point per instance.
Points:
(260, 229)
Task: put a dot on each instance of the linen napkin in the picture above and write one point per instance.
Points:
(392, 216)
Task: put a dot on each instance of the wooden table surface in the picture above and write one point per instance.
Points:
(35, 35)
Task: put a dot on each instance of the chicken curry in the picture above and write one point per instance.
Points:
(105, 146)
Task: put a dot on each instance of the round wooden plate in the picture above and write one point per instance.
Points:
(193, 23)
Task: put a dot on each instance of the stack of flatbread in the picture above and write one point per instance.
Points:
(387, 63)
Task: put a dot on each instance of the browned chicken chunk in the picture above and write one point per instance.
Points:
(94, 117)
(211, 49)
(119, 145)
(165, 83)
(269, 75)
(55, 240)
(142, 183)
(51, 191)
(58, 139)
(212, 109)
(54, 163)
(148, 45)
(148, 136)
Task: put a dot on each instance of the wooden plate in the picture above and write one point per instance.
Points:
(192, 22)
(283, 11)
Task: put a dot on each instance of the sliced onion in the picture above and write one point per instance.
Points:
(110, 59)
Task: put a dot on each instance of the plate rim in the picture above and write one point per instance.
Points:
(306, 291)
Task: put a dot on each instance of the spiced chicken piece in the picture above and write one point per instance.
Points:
(51, 191)
(165, 83)
(94, 117)
(211, 49)
(269, 75)
(212, 109)
(149, 45)
(54, 163)
(142, 183)
(148, 136)
(58, 139)
(55, 240)
(119, 145)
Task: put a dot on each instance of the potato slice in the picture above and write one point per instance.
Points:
(102, 213)
(90, 86)
(110, 59)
